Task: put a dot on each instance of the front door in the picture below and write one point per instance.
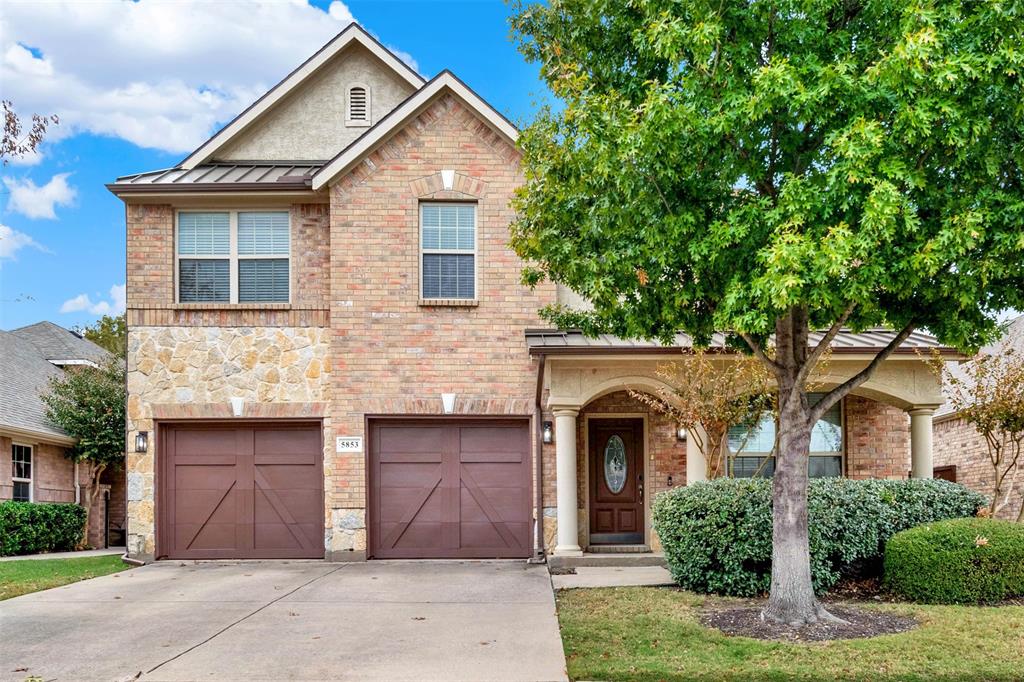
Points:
(616, 481)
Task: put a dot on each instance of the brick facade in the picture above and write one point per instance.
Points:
(53, 481)
(957, 443)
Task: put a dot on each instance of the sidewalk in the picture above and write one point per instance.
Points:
(67, 555)
(601, 576)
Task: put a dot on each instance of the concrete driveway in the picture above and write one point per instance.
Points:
(290, 621)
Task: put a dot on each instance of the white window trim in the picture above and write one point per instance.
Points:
(842, 446)
(232, 256)
(358, 122)
(459, 252)
(32, 464)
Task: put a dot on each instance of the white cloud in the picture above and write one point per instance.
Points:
(161, 73)
(12, 241)
(82, 302)
(33, 201)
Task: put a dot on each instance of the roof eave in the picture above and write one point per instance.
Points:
(210, 187)
(16, 432)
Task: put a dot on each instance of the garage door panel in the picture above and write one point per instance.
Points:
(300, 477)
(286, 441)
(397, 440)
(407, 475)
(396, 502)
(206, 442)
(506, 502)
(244, 508)
(478, 478)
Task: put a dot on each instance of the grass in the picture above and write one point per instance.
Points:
(32, 575)
(654, 634)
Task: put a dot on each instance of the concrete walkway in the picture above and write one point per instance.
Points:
(587, 576)
(67, 555)
(290, 621)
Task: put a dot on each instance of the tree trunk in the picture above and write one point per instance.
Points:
(792, 598)
(95, 471)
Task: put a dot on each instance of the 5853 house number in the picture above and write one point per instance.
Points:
(349, 444)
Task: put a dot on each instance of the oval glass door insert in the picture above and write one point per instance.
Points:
(615, 465)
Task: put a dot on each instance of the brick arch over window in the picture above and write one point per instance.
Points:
(449, 184)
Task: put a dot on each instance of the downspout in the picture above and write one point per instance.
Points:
(539, 552)
(78, 486)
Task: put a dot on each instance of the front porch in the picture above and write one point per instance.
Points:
(611, 455)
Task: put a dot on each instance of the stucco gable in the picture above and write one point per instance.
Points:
(292, 116)
(310, 123)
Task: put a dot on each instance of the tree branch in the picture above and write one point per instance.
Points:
(758, 352)
(823, 345)
(845, 388)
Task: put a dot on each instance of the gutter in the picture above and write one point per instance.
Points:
(540, 555)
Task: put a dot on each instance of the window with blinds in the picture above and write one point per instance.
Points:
(753, 445)
(358, 105)
(448, 246)
(233, 257)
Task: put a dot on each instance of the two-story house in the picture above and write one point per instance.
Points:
(331, 354)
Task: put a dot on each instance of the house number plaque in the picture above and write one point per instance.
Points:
(349, 444)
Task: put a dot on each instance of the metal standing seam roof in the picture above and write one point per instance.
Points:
(225, 176)
(868, 341)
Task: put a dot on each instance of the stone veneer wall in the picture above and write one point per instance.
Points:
(957, 443)
(194, 371)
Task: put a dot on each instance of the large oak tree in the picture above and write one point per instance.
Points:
(772, 168)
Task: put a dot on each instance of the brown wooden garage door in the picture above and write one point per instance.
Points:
(450, 489)
(241, 491)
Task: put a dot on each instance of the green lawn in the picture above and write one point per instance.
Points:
(644, 633)
(32, 575)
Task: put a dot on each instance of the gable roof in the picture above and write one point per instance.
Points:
(60, 346)
(26, 375)
(446, 81)
(353, 33)
(1012, 338)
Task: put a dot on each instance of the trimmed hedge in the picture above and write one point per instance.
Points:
(962, 561)
(28, 527)
(717, 535)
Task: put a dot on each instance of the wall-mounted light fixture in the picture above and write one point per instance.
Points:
(547, 433)
(142, 441)
(681, 434)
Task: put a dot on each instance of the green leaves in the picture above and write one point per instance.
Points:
(754, 156)
(89, 404)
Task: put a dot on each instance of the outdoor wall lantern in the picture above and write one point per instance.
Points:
(681, 434)
(141, 441)
(548, 433)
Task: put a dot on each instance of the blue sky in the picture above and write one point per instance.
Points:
(138, 85)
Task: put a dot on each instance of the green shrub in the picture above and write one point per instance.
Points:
(27, 527)
(962, 561)
(717, 535)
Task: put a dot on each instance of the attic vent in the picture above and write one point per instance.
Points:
(358, 105)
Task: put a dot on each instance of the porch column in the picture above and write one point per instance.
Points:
(696, 465)
(921, 441)
(565, 472)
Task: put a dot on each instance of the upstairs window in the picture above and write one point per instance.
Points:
(233, 257)
(358, 106)
(754, 445)
(448, 251)
(21, 472)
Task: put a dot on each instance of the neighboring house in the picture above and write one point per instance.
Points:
(38, 470)
(330, 353)
(961, 454)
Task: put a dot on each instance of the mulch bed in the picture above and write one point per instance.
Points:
(745, 621)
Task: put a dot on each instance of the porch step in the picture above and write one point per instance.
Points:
(607, 559)
(618, 549)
